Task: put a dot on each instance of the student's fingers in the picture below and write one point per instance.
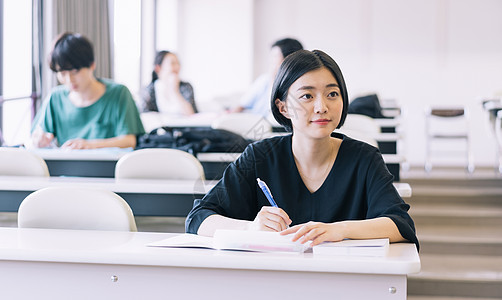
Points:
(74, 144)
(308, 231)
(42, 139)
(291, 230)
(275, 222)
(284, 218)
(280, 212)
(315, 233)
(46, 139)
(271, 218)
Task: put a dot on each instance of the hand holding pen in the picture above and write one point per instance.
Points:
(272, 217)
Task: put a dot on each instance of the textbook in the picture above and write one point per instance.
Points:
(370, 247)
(256, 241)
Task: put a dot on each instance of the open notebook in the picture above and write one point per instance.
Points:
(265, 241)
(261, 241)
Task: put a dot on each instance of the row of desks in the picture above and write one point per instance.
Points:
(146, 197)
(101, 163)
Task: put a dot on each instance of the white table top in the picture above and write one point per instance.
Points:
(129, 248)
(147, 186)
(391, 122)
(102, 154)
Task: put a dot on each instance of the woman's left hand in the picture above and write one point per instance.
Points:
(316, 232)
(77, 144)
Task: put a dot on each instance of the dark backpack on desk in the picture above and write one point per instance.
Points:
(193, 140)
(368, 105)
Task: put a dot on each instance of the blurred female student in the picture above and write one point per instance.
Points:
(328, 187)
(256, 99)
(84, 112)
(167, 93)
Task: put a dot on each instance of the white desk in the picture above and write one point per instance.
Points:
(79, 264)
(146, 197)
(90, 163)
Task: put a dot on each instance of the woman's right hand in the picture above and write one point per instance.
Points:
(41, 139)
(270, 218)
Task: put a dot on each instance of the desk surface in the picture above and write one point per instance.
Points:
(141, 186)
(129, 248)
(103, 154)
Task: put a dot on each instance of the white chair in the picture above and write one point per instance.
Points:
(250, 126)
(21, 162)
(159, 163)
(361, 123)
(360, 136)
(75, 208)
(361, 127)
(498, 135)
(447, 124)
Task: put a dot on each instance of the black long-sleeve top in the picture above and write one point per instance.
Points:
(359, 186)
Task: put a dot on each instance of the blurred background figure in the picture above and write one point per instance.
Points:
(84, 112)
(167, 93)
(257, 98)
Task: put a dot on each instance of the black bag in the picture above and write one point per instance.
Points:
(368, 105)
(193, 140)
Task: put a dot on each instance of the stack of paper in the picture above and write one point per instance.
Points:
(371, 247)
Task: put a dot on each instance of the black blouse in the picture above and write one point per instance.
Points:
(359, 186)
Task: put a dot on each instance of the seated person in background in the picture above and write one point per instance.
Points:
(84, 112)
(327, 186)
(256, 100)
(167, 93)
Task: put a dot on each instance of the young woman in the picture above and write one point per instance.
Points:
(327, 186)
(167, 93)
(84, 112)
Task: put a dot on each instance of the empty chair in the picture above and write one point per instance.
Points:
(493, 108)
(250, 126)
(21, 162)
(361, 127)
(361, 123)
(359, 135)
(75, 208)
(159, 163)
(447, 124)
(498, 135)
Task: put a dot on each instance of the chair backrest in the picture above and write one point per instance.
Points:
(361, 123)
(250, 126)
(446, 121)
(159, 163)
(21, 162)
(75, 208)
(359, 135)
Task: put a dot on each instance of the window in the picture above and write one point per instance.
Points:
(16, 70)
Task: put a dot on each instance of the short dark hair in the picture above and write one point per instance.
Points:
(159, 57)
(288, 46)
(71, 51)
(295, 66)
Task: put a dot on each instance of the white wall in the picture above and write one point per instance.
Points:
(418, 52)
(215, 46)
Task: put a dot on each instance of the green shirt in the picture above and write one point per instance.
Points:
(114, 114)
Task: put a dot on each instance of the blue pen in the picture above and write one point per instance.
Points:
(266, 191)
